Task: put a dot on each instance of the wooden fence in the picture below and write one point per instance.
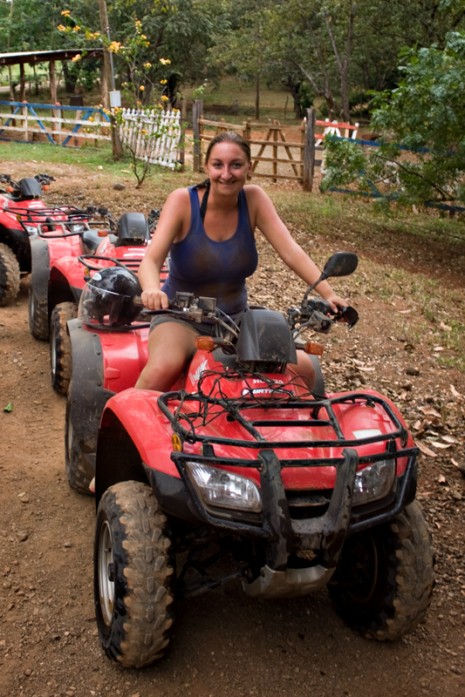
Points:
(274, 155)
(55, 123)
(154, 136)
(157, 136)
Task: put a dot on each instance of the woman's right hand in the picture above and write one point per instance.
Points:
(154, 299)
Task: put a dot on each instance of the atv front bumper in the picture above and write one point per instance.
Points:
(314, 542)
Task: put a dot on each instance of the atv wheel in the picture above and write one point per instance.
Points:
(132, 575)
(60, 346)
(9, 276)
(38, 316)
(79, 469)
(383, 583)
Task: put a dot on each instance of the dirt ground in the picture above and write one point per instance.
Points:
(226, 644)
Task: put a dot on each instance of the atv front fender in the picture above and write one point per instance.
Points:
(17, 240)
(86, 395)
(139, 415)
(40, 269)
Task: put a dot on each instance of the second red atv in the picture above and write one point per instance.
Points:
(22, 213)
(62, 263)
(239, 472)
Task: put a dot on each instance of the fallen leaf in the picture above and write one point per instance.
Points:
(8, 407)
(455, 393)
(449, 439)
(429, 411)
(441, 446)
(425, 450)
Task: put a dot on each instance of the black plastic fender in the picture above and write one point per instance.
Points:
(319, 389)
(17, 240)
(40, 269)
(86, 395)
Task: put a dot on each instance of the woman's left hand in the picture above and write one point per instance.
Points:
(337, 303)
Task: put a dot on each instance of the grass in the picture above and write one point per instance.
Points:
(236, 101)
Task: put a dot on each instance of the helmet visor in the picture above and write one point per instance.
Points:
(101, 307)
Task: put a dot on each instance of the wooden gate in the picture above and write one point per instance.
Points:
(274, 155)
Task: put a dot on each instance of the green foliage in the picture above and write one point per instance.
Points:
(425, 114)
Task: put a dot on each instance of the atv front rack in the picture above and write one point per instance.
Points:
(185, 423)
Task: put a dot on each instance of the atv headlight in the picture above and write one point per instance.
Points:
(223, 489)
(31, 230)
(374, 482)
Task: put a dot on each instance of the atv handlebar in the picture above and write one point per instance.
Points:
(314, 313)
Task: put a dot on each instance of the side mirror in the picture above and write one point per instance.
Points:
(340, 264)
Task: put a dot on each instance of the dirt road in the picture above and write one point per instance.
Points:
(224, 644)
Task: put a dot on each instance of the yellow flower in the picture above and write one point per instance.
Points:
(164, 98)
(77, 28)
(163, 82)
(76, 58)
(147, 65)
(65, 13)
(142, 88)
(60, 27)
(165, 61)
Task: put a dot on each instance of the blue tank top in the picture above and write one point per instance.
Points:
(213, 269)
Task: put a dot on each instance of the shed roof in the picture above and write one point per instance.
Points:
(23, 57)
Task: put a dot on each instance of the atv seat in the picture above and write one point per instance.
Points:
(29, 188)
(132, 230)
(90, 240)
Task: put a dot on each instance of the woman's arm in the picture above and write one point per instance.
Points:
(173, 222)
(267, 220)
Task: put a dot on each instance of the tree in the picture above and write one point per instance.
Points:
(424, 114)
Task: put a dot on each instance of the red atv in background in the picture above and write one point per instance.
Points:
(22, 212)
(62, 261)
(240, 472)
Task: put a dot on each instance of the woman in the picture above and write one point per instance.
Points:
(208, 230)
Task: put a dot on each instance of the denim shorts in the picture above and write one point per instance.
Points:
(200, 328)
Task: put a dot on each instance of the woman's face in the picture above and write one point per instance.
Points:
(227, 166)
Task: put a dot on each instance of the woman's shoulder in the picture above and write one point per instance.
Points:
(178, 195)
(256, 196)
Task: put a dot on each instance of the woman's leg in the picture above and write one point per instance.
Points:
(170, 345)
(304, 367)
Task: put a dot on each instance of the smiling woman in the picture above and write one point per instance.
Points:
(208, 231)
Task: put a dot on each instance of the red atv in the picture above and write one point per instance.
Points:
(240, 462)
(62, 262)
(22, 211)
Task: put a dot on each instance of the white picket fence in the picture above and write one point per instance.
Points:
(154, 136)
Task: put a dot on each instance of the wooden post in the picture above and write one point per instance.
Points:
(309, 151)
(275, 150)
(108, 82)
(56, 113)
(24, 111)
(197, 111)
(22, 83)
(53, 82)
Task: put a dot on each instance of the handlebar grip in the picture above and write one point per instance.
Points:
(348, 315)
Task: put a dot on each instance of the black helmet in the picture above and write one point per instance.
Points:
(108, 298)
